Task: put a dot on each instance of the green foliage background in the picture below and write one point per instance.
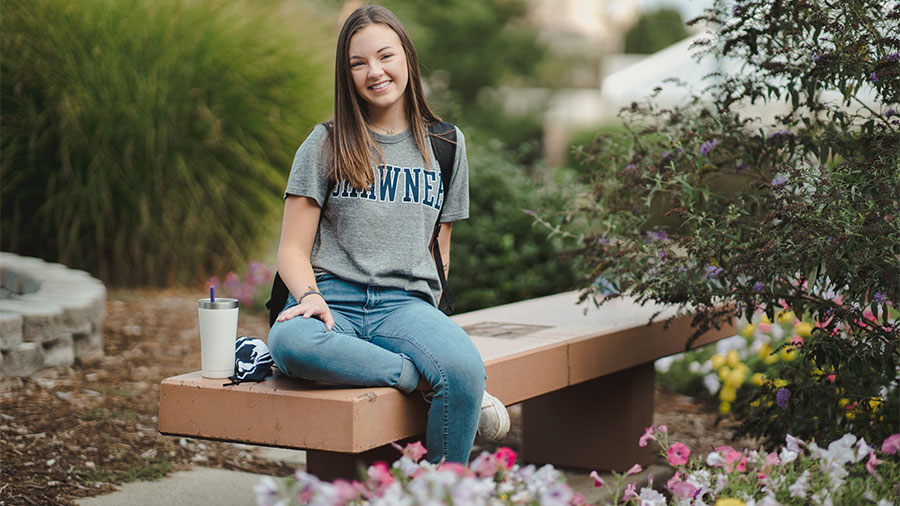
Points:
(499, 254)
(149, 141)
(655, 30)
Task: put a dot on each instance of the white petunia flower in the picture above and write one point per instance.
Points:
(787, 456)
(793, 444)
(863, 450)
(664, 364)
(799, 488)
(822, 498)
(650, 497)
(768, 500)
(711, 382)
(714, 459)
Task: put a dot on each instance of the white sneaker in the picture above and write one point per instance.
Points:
(494, 422)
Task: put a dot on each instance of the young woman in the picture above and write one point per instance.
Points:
(361, 202)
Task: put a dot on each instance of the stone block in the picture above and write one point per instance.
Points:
(88, 346)
(10, 330)
(80, 310)
(59, 352)
(19, 282)
(42, 321)
(23, 359)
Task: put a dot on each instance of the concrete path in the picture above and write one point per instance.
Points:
(197, 486)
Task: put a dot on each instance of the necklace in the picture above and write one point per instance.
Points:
(387, 131)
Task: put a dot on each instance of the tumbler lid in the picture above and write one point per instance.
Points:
(220, 303)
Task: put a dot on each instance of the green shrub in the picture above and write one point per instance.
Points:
(704, 207)
(148, 141)
(498, 254)
(655, 30)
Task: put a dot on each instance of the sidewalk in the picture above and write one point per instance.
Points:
(200, 485)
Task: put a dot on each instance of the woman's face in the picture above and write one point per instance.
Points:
(378, 66)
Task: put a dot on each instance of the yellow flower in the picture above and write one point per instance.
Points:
(723, 372)
(850, 415)
(748, 329)
(736, 377)
(730, 501)
(758, 379)
(875, 403)
(755, 403)
(785, 317)
(780, 383)
(788, 354)
(732, 359)
(770, 359)
(764, 350)
(764, 318)
(803, 329)
(728, 393)
(843, 402)
(718, 360)
(724, 408)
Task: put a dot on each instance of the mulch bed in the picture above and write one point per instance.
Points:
(78, 432)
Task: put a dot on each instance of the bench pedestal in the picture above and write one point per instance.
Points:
(333, 465)
(592, 425)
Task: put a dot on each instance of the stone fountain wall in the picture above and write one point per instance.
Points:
(50, 315)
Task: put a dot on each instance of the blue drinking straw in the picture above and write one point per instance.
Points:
(212, 293)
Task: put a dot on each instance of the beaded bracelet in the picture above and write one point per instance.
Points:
(309, 292)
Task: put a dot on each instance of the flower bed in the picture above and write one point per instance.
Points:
(846, 471)
(748, 374)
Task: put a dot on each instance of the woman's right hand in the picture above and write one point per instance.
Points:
(313, 305)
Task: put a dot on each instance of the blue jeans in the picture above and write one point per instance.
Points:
(390, 337)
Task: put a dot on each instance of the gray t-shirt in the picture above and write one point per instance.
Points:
(381, 236)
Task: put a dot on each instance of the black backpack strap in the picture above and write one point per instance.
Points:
(443, 143)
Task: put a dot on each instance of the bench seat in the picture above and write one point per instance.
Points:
(584, 375)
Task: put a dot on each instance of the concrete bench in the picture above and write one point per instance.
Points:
(585, 378)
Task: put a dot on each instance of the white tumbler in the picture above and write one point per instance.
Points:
(218, 333)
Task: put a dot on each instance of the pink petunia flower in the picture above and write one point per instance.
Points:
(663, 429)
(380, 475)
(891, 444)
(455, 467)
(598, 481)
(634, 469)
(681, 488)
(506, 456)
(485, 465)
(647, 437)
(730, 455)
(630, 492)
(772, 459)
(678, 454)
(415, 451)
(347, 491)
(871, 463)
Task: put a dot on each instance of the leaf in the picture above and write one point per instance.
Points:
(811, 278)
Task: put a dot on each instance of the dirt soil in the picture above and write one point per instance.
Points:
(79, 431)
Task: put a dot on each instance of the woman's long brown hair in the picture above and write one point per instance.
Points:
(352, 145)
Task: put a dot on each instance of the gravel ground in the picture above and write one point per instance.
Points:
(78, 432)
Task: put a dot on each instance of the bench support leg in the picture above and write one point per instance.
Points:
(333, 465)
(592, 425)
